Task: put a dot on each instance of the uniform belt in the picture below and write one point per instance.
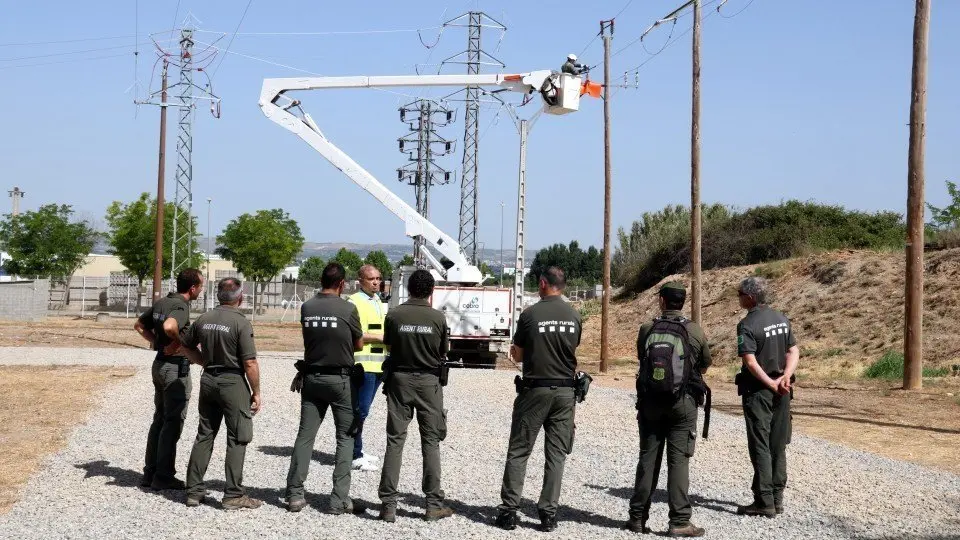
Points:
(545, 383)
(219, 370)
(177, 360)
(328, 370)
(398, 369)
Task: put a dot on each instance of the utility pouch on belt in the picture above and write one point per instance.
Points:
(444, 374)
(387, 368)
(356, 376)
(184, 368)
(582, 386)
(518, 382)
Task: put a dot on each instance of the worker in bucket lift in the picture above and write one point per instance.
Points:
(572, 67)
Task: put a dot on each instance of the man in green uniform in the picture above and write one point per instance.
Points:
(230, 375)
(417, 336)
(331, 334)
(161, 326)
(770, 356)
(545, 340)
(668, 418)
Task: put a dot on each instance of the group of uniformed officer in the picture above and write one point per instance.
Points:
(672, 352)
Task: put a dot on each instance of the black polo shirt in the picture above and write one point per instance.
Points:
(549, 334)
(331, 326)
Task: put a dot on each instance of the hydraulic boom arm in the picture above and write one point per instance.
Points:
(277, 107)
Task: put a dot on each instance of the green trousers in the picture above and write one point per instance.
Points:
(549, 408)
(410, 394)
(319, 393)
(767, 416)
(673, 425)
(225, 397)
(171, 395)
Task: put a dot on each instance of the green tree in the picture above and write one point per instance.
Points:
(948, 217)
(46, 243)
(131, 236)
(407, 260)
(311, 270)
(379, 259)
(580, 267)
(351, 262)
(261, 245)
(485, 269)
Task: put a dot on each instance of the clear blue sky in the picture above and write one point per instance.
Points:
(805, 100)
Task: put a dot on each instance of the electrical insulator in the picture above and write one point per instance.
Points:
(403, 115)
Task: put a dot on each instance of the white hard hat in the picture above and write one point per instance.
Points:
(572, 57)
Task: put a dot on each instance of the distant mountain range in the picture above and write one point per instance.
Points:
(395, 252)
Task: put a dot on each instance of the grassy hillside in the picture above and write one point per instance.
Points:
(846, 308)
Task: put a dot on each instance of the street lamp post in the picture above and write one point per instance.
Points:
(206, 293)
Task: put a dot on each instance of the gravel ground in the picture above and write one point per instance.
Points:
(89, 489)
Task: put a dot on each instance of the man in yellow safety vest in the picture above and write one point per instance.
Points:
(372, 314)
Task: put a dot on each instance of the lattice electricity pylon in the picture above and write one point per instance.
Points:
(188, 94)
(469, 171)
(422, 145)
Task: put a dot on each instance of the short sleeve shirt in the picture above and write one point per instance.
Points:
(225, 338)
(767, 334)
(549, 334)
(331, 326)
(171, 306)
(417, 335)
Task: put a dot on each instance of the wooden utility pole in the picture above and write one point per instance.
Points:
(605, 300)
(158, 232)
(695, 219)
(913, 308)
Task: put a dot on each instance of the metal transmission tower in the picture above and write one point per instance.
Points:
(422, 145)
(189, 94)
(473, 58)
(183, 232)
(16, 195)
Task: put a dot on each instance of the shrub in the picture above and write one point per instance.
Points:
(890, 366)
(658, 245)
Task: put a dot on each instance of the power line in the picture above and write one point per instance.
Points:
(324, 33)
(597, 35)
(677, 38)
(60, 41)
(176, 13)
(65, 61)
(64, 53)
(624, 8)
(229, 43)
(741, 10)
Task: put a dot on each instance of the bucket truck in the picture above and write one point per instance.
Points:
(479, 317)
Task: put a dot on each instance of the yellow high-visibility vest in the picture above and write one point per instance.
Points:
(372, 314)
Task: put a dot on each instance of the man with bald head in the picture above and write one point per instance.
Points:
(372, 315)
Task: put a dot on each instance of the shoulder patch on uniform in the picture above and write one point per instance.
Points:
(740, 339)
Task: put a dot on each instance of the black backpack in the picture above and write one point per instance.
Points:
(667, 367)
